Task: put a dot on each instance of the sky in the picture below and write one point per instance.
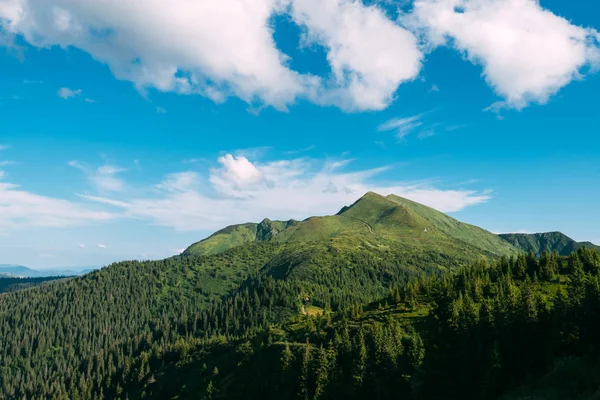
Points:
(131, 129)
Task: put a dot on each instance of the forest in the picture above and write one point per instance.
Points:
(198, 327)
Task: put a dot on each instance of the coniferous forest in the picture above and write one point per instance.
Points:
(519, 325)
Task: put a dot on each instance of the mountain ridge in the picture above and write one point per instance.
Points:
(390, 219)
(545, 241)
(17, 271)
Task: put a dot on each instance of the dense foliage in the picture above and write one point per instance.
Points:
(97, 335)
(181, 327)
(10, 284)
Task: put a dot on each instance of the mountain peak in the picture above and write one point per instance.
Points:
(371, 217)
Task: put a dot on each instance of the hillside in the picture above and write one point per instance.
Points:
(382, 221)
(238, 235)
(550, 241)
(216, 321)
(10, 283)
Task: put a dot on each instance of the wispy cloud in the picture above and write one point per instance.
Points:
(242, 190)
(88, 100)
(101, 246)
(402, 126)
(423, 125)
(3, 147)
(66, 93)
(104, 178)
(25, 210)
(305, 149)
(161, 110)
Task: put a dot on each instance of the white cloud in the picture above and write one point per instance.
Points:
(241, 191)
(402, 126)
(370, 55)
(236, 175)
(101, 246)
(103, 178)
(222, 48)
(22, 210)
(66, 93)
(88, 100)
(215, 48)
(81, 246)
(527, 52)
(3, 147)
(161, 110)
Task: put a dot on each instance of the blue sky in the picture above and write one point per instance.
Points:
(130, 133)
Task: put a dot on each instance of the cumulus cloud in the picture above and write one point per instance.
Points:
(103, 178)
(370, 55)
(22, 209)
(222, 48)
(235, 175)
(240, 190)
(527, 52)
(101, 246)
(66, 93)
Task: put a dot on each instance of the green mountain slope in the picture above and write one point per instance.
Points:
(106, 334)
(237, 235)
(550, 241)
(382, 221)
(467, 233)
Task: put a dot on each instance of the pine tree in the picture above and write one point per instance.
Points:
(287, 357)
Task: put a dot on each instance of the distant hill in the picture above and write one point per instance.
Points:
(549, 241)
(9, 270)
(9, 283)
(380, 220)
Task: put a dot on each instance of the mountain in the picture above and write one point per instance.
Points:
(237, 235)
(374, 218)
(550, 241)
(24, 272)
(383, 295)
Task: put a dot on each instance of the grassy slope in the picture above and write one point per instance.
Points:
(227, 238)
(238, 235)
(381, 221)
(467, 233)
(540, 242)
